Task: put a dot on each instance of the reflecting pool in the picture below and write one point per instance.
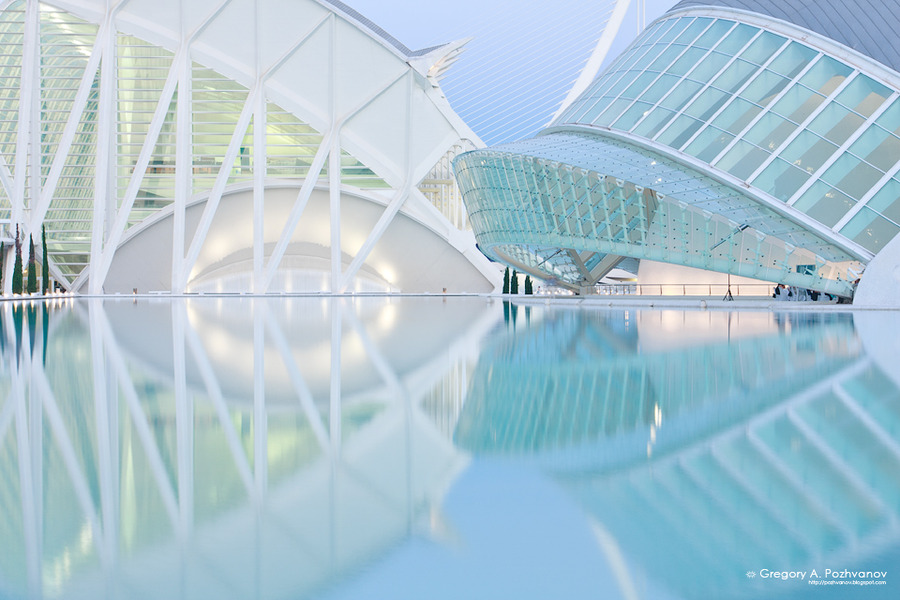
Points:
(458, 447)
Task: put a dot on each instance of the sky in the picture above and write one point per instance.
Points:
(523, 58)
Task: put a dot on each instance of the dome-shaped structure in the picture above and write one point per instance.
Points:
(122, 118)
(741, 137)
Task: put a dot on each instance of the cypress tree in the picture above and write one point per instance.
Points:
(506, 281)
(17, 268)
(514, 283)
(529, 289)
(32, 266)
(45, 263)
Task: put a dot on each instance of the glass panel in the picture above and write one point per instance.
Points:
(679, 132)
(808, 151)
(714, 34)
(709, 144)
(798, 103)
(869, 230)
(640, 84)
(649, 56)
(770, 131)
(666, 58)
(614, 110)
(737, 39)
(736, 116)
(632, 116)
(597, 107)
(781, 180)
(735, 76)
(824, 203)
(623, 83)
(693, 30)
(659, 89)
(852, 176)
(764, 88)
(763, 48)
(680, 95)
(655, 121)
(836, 123)
(676, 29)
(887, 200)
(792, 60)
(706, 104)
(864, 95)
(890, 119)
(742, 160)
(826, 75)
(687, 61)
(710, 66)
(878, 147)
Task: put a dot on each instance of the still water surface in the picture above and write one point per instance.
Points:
(454, 448)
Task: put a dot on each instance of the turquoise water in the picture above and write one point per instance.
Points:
(424, 448)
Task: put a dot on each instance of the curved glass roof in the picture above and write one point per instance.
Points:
(800, 126)
(868, 28)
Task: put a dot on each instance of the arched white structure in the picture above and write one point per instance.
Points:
(118, 110)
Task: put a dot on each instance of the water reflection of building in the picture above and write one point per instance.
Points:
(700, 463)
(115, 479)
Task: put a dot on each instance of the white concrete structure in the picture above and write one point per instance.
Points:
(128, 122)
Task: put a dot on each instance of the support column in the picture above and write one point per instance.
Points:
(183, 155)
(259, 165)
(104, 197)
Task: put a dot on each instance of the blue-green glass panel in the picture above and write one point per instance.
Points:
(680, 131)
(687, 61)
(808, 151)
(824, 203)
(737, 39)
(653, 52)
(714, 34)
(632, 116)
(694, 30)
(707, 104)
(870, 230)
(678, 25)
(619, 86)
(887, 200)
(764, 87)
(736, 116)
(780, 179)
(797, 103)
(681, 95)
(742, 160)
(878, 147)
(836, 123)
(770, 131)
(852, 176)
(666, 58)
(763, 48)
(709, 144)
(659, 89)
(640, 85)
(598, 106)
(863, 95)
(654, 122)
(735, 75)
(709, 67)
(890, 118)
(614, 107)
(826, 75)
(792, 60)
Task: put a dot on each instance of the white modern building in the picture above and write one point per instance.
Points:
(758, 138)
(230, 145)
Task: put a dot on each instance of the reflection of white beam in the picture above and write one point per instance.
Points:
(260, 416)
(303, 393)
(334, 415)
(184, 425)
(7, 415)
(218, 400)
(26, 489)
(375, 355)
(108, 493)
(67, 450)
(615, 559)
(874, 428)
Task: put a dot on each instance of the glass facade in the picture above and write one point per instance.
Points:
(790, 120)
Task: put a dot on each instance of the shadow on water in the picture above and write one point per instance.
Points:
(306, 447)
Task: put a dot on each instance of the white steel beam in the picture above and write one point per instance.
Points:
(30, 48)
(184, 425)
(215, 196)
(103, 194)
(183, 152)
(334, 168)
